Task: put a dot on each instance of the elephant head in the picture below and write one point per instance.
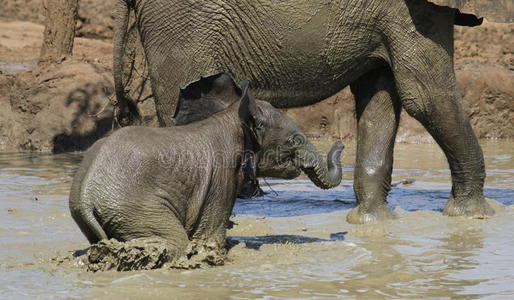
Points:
(278, 147)
(283, 148)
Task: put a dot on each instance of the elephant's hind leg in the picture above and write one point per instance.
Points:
(378, 111)
(423, 69)
(154, 222)
(175, 236)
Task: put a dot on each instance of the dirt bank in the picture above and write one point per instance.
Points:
(66, 107)
(52, 108)
(95, 17)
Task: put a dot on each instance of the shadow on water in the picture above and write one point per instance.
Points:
(255, 242)
(267, 207)
(414, 199)
(80, 252)
(299, 198)
(296, 198)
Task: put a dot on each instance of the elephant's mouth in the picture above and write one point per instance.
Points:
(285, 170)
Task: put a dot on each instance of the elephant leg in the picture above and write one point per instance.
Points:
(175, 236)
(208, 240)
(422, 64)
(166, 98)
(212, 229)
(213, 222)
(156, 222)
(378, 114)
(166, 75)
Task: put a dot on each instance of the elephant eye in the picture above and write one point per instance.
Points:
(259, 126)
(296, 140)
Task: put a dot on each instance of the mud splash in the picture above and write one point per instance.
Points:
(292, 243)
(113, 255)
(141, 254)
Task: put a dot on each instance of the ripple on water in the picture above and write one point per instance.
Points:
(292, 243)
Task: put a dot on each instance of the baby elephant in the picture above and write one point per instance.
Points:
(180, 183)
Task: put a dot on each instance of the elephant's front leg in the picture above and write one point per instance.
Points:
(378, 112)
(208, 240)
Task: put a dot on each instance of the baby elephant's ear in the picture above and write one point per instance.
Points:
(248, 109)
(205, 97)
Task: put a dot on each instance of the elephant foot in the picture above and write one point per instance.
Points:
(474, 207)
(251, 190)
(379, 213)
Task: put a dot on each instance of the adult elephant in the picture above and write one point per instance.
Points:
(394, 54)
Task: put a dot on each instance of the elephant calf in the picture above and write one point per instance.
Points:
(180, 183)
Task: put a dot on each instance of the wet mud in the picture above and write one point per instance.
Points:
(292, 243)
(114, 255)
(141, 254)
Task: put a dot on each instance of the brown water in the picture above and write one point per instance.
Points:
(293, 243)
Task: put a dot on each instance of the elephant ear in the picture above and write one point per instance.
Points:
(492, 10)
(249, 113)
(205, 97)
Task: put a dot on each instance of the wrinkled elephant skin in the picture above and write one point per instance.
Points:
(180, 183)
(394, 55)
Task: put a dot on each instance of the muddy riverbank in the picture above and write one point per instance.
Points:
(292, 243)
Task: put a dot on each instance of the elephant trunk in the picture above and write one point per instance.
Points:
(325, 174)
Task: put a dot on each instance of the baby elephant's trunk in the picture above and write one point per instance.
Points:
(325, 174)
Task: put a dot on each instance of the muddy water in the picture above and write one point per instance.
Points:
(293, 243)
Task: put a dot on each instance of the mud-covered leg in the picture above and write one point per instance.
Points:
(212, 229)
(208, 247)
(168, 227)
(378, 111)
(208, 240)
(426, 83)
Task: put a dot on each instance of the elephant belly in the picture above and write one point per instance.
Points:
(294, 53)
(305, 53)
(308, 85)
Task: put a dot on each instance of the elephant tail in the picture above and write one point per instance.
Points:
(89, 225)
(125, 111)
(81, 206)
(469, 20)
